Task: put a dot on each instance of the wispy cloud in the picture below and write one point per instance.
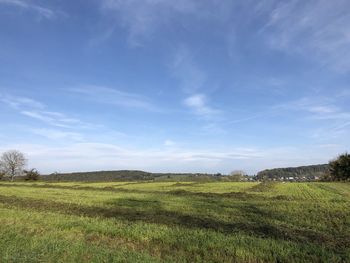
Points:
(318, 29)
(142, 18)
(42, 11)
(37, 110)
(327, 119)
(342, 126)
(184, 68)
(101, 36)
(52, 118)
(20, 102)
(115, 97)
(317, 108)
(55, 134)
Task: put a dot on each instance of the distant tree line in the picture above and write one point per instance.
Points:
(132, 175)
(12, 164)
(336, 170)
(123, 175)
(309, 172)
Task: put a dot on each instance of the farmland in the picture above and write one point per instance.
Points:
(174, 222)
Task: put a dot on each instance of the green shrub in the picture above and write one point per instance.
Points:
(340, 168)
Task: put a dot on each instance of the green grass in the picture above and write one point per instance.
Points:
(174, 222)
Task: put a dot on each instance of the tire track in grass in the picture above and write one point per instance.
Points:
(171, 218)
(195, 248)
(28, 243)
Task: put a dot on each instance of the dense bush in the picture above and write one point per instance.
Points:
(31, 175)
(340, 168)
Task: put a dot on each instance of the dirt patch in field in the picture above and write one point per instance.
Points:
(120, 189)
(263, 187)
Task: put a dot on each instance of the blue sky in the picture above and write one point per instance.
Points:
(175, 86)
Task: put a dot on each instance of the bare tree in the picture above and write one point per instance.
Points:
(237, 175)
(238, 172)
(12, 163)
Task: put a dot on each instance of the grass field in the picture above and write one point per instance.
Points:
(174, 222)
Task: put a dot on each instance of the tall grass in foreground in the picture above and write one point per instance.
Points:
(174, 222)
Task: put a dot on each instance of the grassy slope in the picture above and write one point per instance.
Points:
(174, 222)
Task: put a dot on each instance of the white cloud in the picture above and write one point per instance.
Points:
(42, 11)
(192, 81)
(169, 143)
(198, 103)
(99, 156)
